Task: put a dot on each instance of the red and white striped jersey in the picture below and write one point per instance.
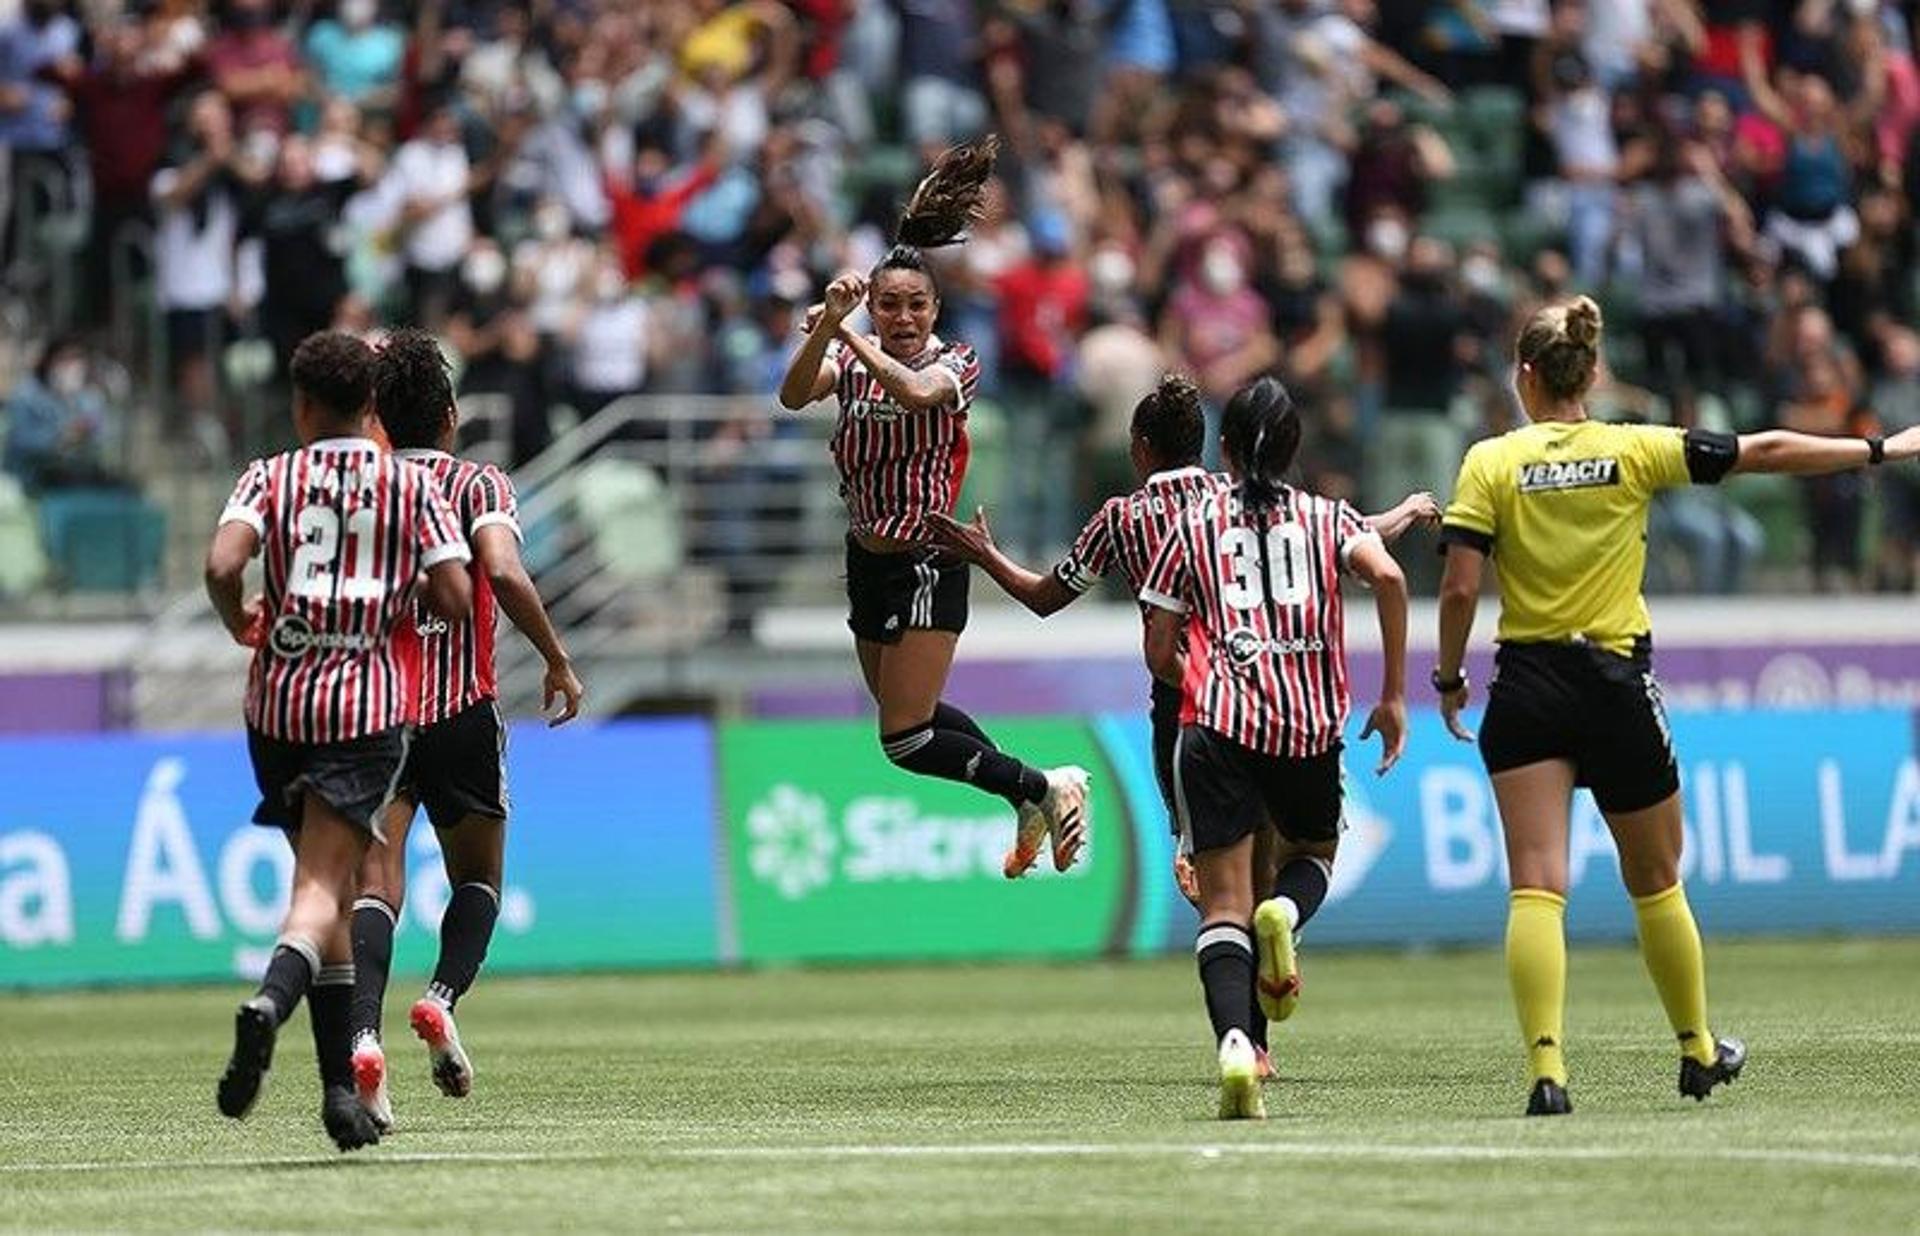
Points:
(456, 658)
(1266, 661)
(1126, 532)
(895, 465)
(346, 529)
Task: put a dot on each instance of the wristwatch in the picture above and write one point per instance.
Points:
(1447, 686)
(1876, 451)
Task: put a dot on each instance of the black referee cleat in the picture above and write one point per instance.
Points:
(1698, 1080)
(1549, 1098)
(254, 1028)
(348, 1123)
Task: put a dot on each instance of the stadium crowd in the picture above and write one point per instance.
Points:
(591, 198)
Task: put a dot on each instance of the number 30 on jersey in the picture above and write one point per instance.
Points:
(1286, 579)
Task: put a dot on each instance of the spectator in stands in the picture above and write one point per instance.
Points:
(1813, 218)
(609, 339)
(650, 199)
(432, 179)
(1580, 127)
(1215, 326)
(1118, 365)
(356, 55)
(33, 111)
(59, 429)
(1393, 165)
(1427, 347)
(256, 67)
(197, 220)
(1826, 401)
(1896, 405)
(492, 330)
(295, 217)
(941, 100)
(1043, 307)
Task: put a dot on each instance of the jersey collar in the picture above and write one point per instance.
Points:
(1175, 473)
(421, 452)
(350, 442)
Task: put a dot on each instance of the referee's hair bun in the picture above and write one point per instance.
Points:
(1583, 322)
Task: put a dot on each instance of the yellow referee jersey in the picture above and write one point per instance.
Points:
(1562, 508)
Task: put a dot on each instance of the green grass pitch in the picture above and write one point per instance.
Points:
(1000, 1098)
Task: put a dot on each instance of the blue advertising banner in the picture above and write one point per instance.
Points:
(1796, 823)
(132, 859)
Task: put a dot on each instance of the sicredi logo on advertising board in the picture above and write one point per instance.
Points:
(837, 854)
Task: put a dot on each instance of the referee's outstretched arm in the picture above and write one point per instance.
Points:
(1805, 454)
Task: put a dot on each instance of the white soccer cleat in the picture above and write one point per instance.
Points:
(1240, 1097)
(370, 1081)
(432, 1021)
(1030, 834)
(1069, 813)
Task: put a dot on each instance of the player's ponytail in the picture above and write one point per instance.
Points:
(946, 202)
(1260, 433)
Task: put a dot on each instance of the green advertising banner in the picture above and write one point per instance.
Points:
(836, 854)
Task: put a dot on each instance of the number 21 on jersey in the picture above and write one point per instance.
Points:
(317, 561)
(1285, 580)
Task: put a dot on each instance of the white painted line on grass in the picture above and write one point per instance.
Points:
(1295, 1149)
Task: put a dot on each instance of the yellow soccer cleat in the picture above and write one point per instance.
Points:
(1240, 1097)
(1278, 981)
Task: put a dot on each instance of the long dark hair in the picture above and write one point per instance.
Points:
(1170, 420)
(1260, 432)
(944, 204)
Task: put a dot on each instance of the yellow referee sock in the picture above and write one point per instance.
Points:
(1670, 944)
(1537, 969)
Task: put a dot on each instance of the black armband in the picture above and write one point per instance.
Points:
(1710, 455)
(1472, 538)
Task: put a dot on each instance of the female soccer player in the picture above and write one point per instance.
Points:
(456, 765)
(1561, 505)
(346, 530)
(901, 447)
(1168, 434)
(1250, 578)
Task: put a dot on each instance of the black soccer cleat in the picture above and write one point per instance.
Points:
(1697, 1080)
(254, 1027)
(1549, 1098)
(348, 1124)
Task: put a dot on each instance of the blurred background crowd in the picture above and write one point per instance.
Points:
(596, 199)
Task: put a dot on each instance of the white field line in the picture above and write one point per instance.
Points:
(1085, 1150)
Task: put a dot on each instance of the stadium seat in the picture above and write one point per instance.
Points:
(1497, 117)
(1460, 226)
(986, 470)
(1523, 234)
(1776, 502)
(631, 517)
(23, 564)
(103, 540)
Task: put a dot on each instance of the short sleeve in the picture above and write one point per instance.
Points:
(437, 530)
(1169, 582)
(1659, 453)
(1470, 518)
(959, 362)
(251, 502)
(1092, 554)
(1351, 530)
(491, 501)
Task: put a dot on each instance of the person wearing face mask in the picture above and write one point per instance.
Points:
(500, 351)
(1216, 327)
(256, 67)
(608, 339)
(356, 55)
(648, 203)
(296, 218)
(57, 425)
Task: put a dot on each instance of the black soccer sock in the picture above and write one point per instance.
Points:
(373, 923)
(1302, 884)
(1257, 1023)
(330, 1009)
(956, 756)
(290, 971)
(1225, 951)
(947, 717)
(465, 930)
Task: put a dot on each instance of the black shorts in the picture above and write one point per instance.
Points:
(355, 778)
(1166, 736)
(1224, 791)
(914, 590)
(1598, 709)
(458, 767)
(194, 333)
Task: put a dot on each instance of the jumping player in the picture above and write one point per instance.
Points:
(456, 767)
(1168, 433)
(900, 444)
(1561, 505)
(1248, 584)
(347, 529)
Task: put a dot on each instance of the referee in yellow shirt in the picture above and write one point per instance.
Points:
(1561, 507)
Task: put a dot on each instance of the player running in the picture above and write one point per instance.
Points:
(456, 767)
(1249, 579)
(1561, 505)
(347, 529)
(900, 444)
(1168, 434)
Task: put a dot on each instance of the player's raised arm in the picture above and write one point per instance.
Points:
(497, 550)
(1044, 594)
(810, 375)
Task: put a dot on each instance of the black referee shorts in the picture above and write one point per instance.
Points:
(1166, 736)
(355, 777)
(458, 767)
(1595, 708)
(1223, 791)
(914, 590)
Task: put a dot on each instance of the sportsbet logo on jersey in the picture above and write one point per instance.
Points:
(835, 854)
